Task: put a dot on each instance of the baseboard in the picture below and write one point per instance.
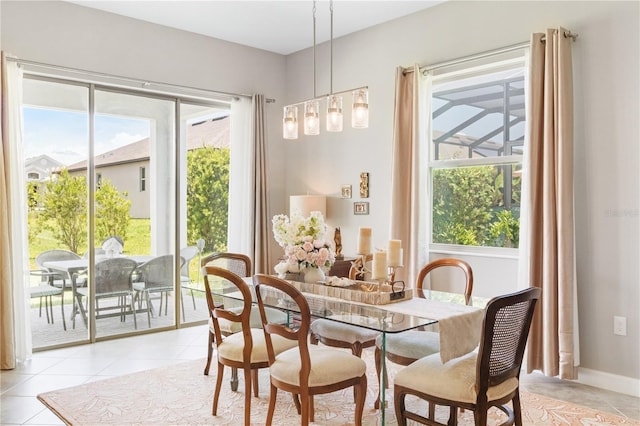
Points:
(608, 381)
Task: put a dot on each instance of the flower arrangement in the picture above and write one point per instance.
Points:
(303, 241)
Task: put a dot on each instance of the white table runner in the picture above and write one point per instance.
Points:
(460, 326)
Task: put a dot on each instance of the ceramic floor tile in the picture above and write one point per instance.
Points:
(19, 409)
(80, 367)
(44, 383)
(10, 378)
(45, 417)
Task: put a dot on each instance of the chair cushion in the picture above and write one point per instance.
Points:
(230, 327)
(233, 345)
(455, 380)
(412, 344)
(328, 365)
(343, 332)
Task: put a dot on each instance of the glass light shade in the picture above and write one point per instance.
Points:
(334, 113)
(290, 122)
(312, 118)
(360, 111)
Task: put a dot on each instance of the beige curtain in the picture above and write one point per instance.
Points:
(15, 334)
(261, 217)
(406, 206)
(547, 249)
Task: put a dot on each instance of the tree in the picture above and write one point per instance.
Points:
(112, 212)
(468, 207)
(208, 197)
(64, 209)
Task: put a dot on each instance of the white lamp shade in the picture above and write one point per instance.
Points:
(306, 204)
(312, 118)
(360, 111)
(290, 122)
(334, 113)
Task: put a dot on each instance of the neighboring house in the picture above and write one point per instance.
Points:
(127, 167)
(40, 168)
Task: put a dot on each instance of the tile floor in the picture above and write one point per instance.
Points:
(61, 368)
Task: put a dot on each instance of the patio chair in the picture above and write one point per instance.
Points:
(56, 279)
(113, 280)
(187, 253)
(45, 291)
(155, 276)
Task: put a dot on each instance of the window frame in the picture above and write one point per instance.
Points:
(469, 65)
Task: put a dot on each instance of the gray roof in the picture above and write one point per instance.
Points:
(212, 132)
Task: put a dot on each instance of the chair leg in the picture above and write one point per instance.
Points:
(296, 402)
(216, 395)
(193, 299)
(356, 349)
(209, 353)
(305, 410)
(234, 379)
(453, 416)
(133, 310)
(64, 321)
(272, 404)
(361, 395)
(247, 396)
(254, 379)
(398, 402)
(517, 410)
(379, 361)
(146, 296)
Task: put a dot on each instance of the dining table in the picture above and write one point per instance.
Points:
(459, 325)
(77, 267)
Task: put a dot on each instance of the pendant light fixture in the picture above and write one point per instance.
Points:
(311, 107)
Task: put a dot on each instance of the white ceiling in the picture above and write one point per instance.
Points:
(278, 26)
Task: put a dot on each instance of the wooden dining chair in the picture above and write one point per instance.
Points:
(405, 348)
(240, 265)
(476, 381)
(244, 349)
(305, 370)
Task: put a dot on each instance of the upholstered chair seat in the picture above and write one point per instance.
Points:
(454, 381)
(232, 346)
(327, 366)
(412, 344)
(230, 327)
(349, 334)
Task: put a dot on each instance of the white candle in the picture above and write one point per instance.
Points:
(364, 241)
(395, 253)
(379, 265)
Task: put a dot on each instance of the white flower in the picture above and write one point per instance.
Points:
(303, 241)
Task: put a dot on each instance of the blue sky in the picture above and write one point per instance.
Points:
(63, 135)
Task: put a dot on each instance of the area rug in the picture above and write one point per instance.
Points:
(182, 395)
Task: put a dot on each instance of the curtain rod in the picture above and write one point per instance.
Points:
(425, 68)
(144, 84)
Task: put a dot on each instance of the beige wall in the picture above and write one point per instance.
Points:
(606, 69)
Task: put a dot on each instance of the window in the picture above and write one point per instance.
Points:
(98, 180)
(476, 143)
(33, 176)
(143, 179)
